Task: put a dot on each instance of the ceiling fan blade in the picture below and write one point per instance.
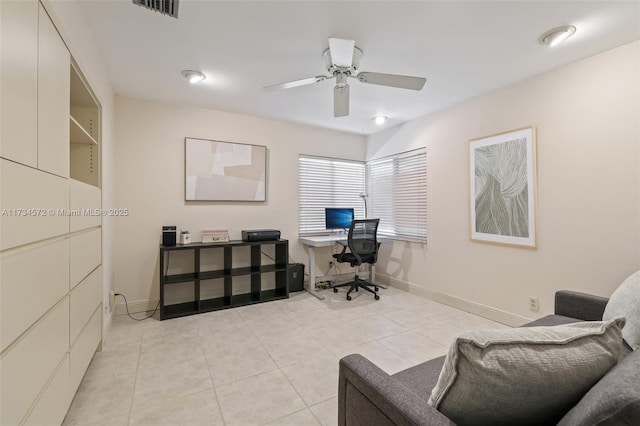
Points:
(341, 100)
(341, 51)
(392, 80)
(295, 83)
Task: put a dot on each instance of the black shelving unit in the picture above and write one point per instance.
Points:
(228, 275)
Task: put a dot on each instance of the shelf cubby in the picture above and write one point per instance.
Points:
(223, 275)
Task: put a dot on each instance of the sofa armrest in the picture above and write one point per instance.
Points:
(583, 306)
(369, 396)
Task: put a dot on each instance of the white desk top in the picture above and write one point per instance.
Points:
(322, 240)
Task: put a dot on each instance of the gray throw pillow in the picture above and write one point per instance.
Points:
(613, 401)
(524, 375)
(625, 302)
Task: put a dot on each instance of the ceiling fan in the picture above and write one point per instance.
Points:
(343, 59)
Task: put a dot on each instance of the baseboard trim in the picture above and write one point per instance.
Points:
(497, 315)
(140, 306)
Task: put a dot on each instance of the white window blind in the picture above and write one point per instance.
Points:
(327, 182)
(397, 194)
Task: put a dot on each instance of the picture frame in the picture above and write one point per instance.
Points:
(224, 171)
(503, 188)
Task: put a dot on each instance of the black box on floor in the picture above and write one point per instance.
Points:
(296, 276)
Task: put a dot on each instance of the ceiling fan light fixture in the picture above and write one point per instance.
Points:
(558, 35)
(379, 119)
(193, 76)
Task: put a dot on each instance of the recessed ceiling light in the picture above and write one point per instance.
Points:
(379, 119)
(558, 35)
(193, 76)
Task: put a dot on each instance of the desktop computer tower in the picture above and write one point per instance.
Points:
(296, 276)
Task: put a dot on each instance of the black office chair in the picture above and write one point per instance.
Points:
(363, 246)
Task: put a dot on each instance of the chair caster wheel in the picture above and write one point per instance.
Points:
(348, 297)
(335, 290)
(377, 297)
(375, 288)
(356, 288)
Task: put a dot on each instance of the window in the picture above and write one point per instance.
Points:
(397, 194)
(327, 182)
(396, 188)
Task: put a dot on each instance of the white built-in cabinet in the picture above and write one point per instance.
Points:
(50, 228)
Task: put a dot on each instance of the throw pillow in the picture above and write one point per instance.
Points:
(625, 302)
(613, 401)
(524, 375)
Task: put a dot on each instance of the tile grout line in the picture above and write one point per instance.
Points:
(135, 380)
(213, 384)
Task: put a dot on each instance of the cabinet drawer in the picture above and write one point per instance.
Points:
(19, 81)
(27, 367)
(84, 300)
(32, 282)
(53, 404)
(86, 253)
(24, 188)
(83, 198)
(83, 349)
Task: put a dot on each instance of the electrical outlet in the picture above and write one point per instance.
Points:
(112, 300)
(533, 304)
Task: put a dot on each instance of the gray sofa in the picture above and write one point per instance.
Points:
(368, 396)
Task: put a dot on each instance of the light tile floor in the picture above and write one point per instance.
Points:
(274, 363)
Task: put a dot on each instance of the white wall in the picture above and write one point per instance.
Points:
(149, 181)
(588, 137)
(70, 22)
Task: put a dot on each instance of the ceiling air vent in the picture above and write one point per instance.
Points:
(165, 7)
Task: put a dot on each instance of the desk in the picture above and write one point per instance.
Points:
(326, 241)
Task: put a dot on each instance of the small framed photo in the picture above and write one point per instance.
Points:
(502, 188)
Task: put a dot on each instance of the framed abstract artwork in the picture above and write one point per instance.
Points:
(224, 171)
(502, 188)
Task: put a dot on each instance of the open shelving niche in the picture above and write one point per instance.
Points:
(84, 123)
(203, 277)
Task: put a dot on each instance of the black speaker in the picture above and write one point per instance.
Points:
(296, 276)
(169, 235)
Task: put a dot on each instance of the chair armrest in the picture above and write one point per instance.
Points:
(583, 306)
(369, 396)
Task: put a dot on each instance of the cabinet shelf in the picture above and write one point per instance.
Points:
(179, 278)
(78, 134)
(247, 280)
(180, 310)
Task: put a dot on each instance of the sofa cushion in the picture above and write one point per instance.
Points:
(625, 302)
(550, 320)
(524, 375)
(613, 401)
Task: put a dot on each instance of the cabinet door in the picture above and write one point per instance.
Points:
(54, 73)
(43, 271)
(28, 367)
(52, 405)
(84, 197)
(19, 81)
(85, 255)
(32, 203)
(83, 301)
(83, 349)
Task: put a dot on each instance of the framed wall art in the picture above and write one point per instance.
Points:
(502, 190)
(224, 171)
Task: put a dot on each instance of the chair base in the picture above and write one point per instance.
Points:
(356, 284)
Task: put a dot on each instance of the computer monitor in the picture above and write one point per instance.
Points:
(338, 218)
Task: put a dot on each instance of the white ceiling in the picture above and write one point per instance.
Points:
(463, 48)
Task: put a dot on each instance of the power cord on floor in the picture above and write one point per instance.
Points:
(126, 305)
